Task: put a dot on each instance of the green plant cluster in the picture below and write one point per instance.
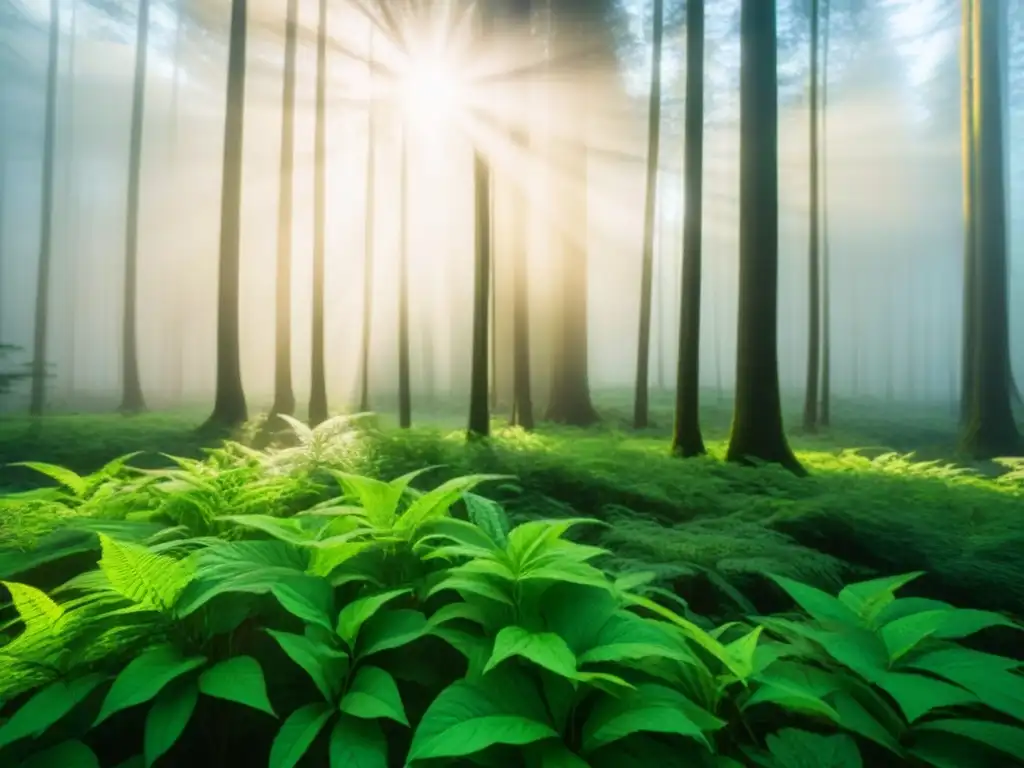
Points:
(363, 622)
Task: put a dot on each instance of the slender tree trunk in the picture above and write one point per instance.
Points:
(71, 205)
(5, 141)
(686, 436)
(318, 377)
(990, 429)
(404, 367)
(814, 252)
(132, 400)
(177, 318)
(284, 393)
(229, 409)
(368, 260)
(967, 134)
(493, 343)
(37, 401)
(825, 415)
(757, 431)
(641, 398)
(522, 401)
(479, 413)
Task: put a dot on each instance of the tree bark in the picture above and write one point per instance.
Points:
(757, 431)
(368, 260)
(686, 436)
(967, 134)
(318, 373)
(522, 400)
(814, 252)
(825, 414)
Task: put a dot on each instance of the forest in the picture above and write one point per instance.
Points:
(511, 383)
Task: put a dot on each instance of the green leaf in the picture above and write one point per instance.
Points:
(854, 717)
(544, 649)
(650, 708)
(918, 695)
(467, 717)
(145, 677)
(904, 606)
(858, 649)
(904, 634)
(372, 694)
(44, 709)
(437, 502)
(554, 754)
(309, 599)
(239, 679)
(987, 676)
(820, 605)
(356, 613)
(624, 636)
(963, 622)
(794, 748)
(151, 581)
(70, 479)
(742, 652)
(1005, 738)
(358, 743)
(473, 584)
(455, 612)
(318, 660)
(298, 733)
(167, 719)
(868, 598)
(391, 629)
(796, 687)
(37, 611)
(67, 754)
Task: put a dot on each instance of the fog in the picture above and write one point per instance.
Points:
(894, 204)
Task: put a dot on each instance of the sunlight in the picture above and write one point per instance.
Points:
(430, 92)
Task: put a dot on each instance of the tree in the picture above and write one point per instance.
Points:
(284, 394)
(371, 221)
(967, 134)
(132, 400)
(229, 407)
(686, 436)
(825, 414)
(989, 429)
(37, 400)
(318, 381)
(757, 431)
(640, 403)
(404, 367)
(814, 249)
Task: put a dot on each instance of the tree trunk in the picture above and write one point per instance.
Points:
(404, 372)
(522, 401)
(177, 377)
(479, 411)
(686, 437)
(825, 415)
(229, 409)
(72, 207)
(37, 401)
(641, 398)
(132, 400)
(757, 431)
(814, 254)
(368, 260)
(967, 138)
(990, 429)
(318, 373)
(284, 393)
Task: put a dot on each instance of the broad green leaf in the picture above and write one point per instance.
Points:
(987, 676)
(820, 605)
(476, 585)
(544, 649)
(854, 717)
(437, 502)
(319, 661)
(858, 649)
(868, 598)
(793, 748)
(742, 652)
(586, 617)
(67, 754)
(391, 629)
(624, 635)
(287, 529)
(918, 695)
(45, 708)
(372, 694)
(904, 606)
(167, 718)
(476, 649)
(488, 516)
(650, 708)
(963, 622)
(298, 733)
(467, 717)
(904, 634)
(145, 677)
(239, 679)
(1005, 738)
(554, 754)
(356, 613)
(358, 743)
(455, 612)
(309, 599)
(529, 539)
(797, 687)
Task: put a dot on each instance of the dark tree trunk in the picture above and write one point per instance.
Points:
(404, 373)
(990, 429)
(132, 400)
(757, 431)
(522, 401)
(686, 437)
(641, 397)
(318, 373)
(967, 133)
(37, 401)
(825, 415)
(229, 408)
(814, 252)
(284, 393)
(479, 411)
(370, 230)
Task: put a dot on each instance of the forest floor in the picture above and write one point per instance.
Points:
(709, 529)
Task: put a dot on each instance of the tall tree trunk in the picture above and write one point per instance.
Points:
(825, 415)
(229, 409)
(990, 429)
(404, 366)
(284, 393)
(370, 234)
(493, 343)
(522, 400)
(177, 376)
(686, 435)
(967, 138)
(72, 206)
(318, 374)
(757, 431)
(37, 401)
(814, 252)
(132, 400)
(5, 141)
(641, 397)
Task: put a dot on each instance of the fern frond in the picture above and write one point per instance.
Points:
(150, 580)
